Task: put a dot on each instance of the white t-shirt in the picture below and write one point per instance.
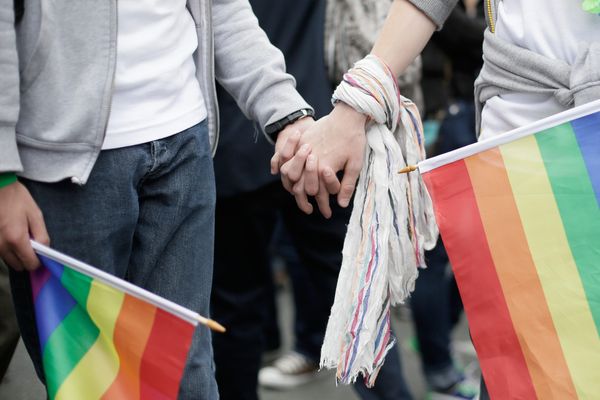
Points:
(552, 28)
(156, 93)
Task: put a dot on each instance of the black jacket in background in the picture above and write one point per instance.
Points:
(296, 27)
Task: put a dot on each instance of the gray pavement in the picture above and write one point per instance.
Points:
(21, 383)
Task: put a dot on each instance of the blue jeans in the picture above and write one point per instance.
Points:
(146, 215)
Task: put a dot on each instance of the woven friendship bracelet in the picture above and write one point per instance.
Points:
(7, 179)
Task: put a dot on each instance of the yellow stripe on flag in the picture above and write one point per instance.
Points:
(99, 367)
(554, 262)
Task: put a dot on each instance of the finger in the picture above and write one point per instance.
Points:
(275, 164)
(287, 184)
(12, 261)
(37, 228)
(323, 201)
(24, 252)
(289, 148)
(348, 184)
(294, 168)
(311, 175)
(301, 198)
(331, 182)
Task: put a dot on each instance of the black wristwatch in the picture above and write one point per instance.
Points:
(273, 129)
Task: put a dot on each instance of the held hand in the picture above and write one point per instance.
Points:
(338, 144)
(287, 146)
(20, 218)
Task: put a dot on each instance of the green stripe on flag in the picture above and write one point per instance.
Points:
(577, 204)
(66, 346)
(77, 284)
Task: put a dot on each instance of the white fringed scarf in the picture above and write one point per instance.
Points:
(392, 223)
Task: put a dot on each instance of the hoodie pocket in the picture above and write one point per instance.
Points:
(36, 48)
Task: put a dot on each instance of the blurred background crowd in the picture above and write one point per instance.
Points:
(276, 268)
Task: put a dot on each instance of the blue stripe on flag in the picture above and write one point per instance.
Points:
(53, 302)
(587, 132)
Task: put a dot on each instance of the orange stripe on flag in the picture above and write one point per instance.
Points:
(518, 277)
(131, 336)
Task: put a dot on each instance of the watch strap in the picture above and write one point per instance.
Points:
(274, 128)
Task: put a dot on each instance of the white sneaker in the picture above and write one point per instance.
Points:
(288, 371)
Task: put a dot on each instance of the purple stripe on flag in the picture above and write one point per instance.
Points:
(53, 301)
(39, 277)
(587, 132)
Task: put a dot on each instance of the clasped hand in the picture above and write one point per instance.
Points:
(309, 154)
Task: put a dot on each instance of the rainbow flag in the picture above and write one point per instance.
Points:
(103, 338)
(520, 218)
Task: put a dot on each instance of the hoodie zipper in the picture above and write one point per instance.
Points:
(490, 16)
(112, 72)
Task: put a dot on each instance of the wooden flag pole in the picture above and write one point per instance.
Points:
(213, 325)
(407, 169)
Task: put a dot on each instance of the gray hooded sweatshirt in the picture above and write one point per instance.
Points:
(57, 65)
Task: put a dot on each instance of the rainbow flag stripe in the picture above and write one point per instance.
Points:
(520, 218)
(99, 342)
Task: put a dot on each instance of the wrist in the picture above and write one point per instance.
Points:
(7, 178)
(349, 113)
(273, 130)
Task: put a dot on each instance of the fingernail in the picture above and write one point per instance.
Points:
(312, 158)
(305, 147)
(327, 173)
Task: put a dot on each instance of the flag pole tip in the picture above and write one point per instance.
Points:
(215, 326)
(407, 169)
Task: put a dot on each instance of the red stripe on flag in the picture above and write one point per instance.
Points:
(165, 357)
(499, 351)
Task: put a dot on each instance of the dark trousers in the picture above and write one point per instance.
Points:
(436, 308)
(241, 291)
(9, 330)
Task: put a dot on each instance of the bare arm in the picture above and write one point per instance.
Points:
(405, 32)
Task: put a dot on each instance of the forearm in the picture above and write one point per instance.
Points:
(249, 67)
(404, 34)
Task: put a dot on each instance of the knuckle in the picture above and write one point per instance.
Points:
(297, 189)
(12, 238)
(347, 189)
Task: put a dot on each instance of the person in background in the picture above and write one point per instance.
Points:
(250, 201)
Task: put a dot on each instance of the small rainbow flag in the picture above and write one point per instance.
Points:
(520, 218)
(104, 338)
